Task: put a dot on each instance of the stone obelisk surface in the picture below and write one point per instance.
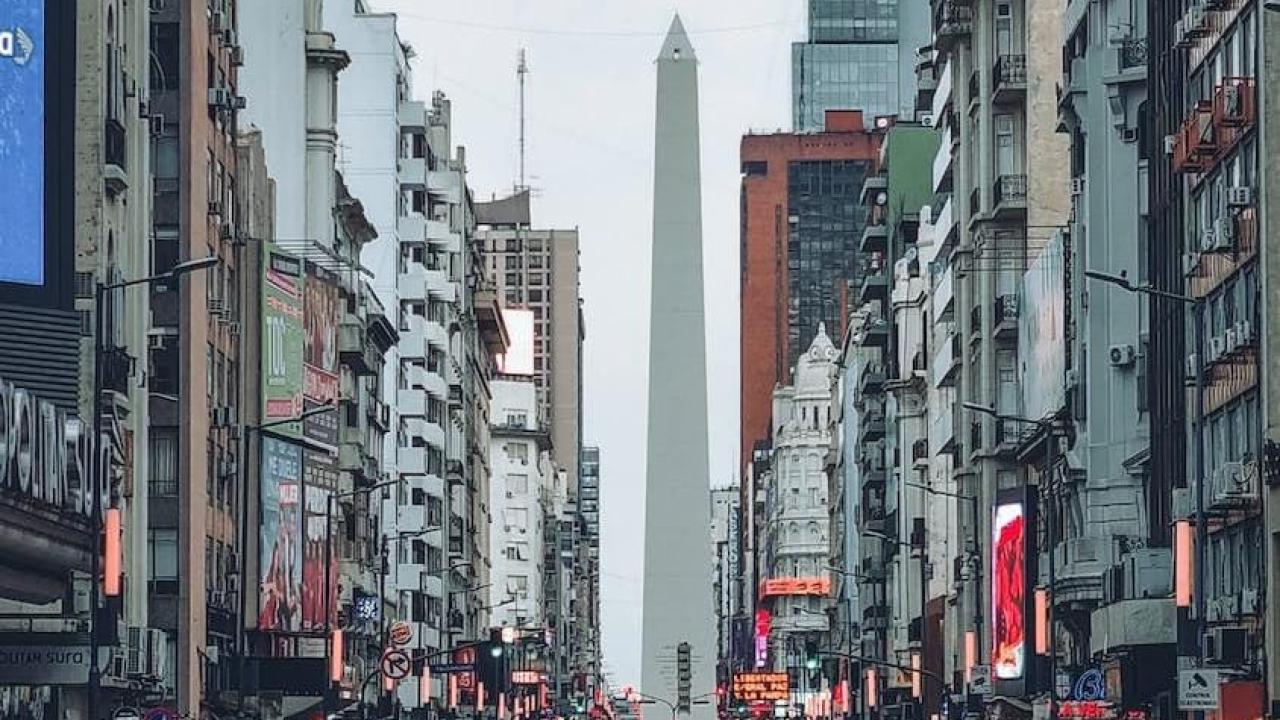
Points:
(677, 560)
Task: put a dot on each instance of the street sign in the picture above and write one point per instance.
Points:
(401, 633)
(980, 681)
(395, 664)
(127, 713)
(1198, 689)
(446, 668)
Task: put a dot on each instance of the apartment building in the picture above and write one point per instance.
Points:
(725, 576)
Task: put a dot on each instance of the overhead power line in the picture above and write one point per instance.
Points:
(579, 32)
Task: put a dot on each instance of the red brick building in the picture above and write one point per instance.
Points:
(800, 224)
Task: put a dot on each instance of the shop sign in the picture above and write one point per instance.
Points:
(47, 664)
(1087, 710)
(796, 586)
(44, 453)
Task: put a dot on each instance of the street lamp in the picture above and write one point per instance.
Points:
(98, 470)
(1197, 314)
(654, 700)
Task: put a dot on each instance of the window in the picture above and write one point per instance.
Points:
(518, 483)
(518, 551)
(163, 560)
(518, 585)
(516, 518)
(517, 453)
(164, 462)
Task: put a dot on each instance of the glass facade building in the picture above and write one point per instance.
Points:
(860, 55)
(824, 266)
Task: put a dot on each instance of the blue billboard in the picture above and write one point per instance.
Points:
(22, 142)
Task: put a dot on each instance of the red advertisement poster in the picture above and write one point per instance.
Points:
(319, 481)
(1008, 591)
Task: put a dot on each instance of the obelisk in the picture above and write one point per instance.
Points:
(677, 545)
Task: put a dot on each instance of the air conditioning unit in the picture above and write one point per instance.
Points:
(1239, 196)
(157, 652)
(1077, 186)
(1121, 355)
(1129, 135)
(1249, 602)
(156, 125)
(155, 341)
(1244, 332)
(217, 21)
(926, 119)
(236, 55)
(1207, 239)
(229, 37)
(1217, 346)
(1224, 234)
(1170, 142)
(219, 98)
(239, 102)
(136, 652)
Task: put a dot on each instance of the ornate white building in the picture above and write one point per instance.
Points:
(795, 584)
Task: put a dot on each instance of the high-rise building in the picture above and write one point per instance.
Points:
(860, 55)
(726, 578)
(538, 269)
(801, 261)
(677, 611)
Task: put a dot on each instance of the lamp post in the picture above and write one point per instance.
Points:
(98, 469)
(654, 700)
(1047, 426)
(1197, 351)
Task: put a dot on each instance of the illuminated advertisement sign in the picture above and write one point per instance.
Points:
(1009, 590)
(319, 482)
(761, 686)
(321, 315)
(282, 340)
(22, 142)
(796, 586)
(280, 536)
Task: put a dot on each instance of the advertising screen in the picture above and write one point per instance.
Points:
(321, 313)
(1009, 590)
(319, 482)
(280, 536)
(761, 686)
(22, 142)
(282, 340)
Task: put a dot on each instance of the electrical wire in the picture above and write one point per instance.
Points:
(573, 32)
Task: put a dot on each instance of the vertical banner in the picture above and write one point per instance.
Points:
(322, 310)
(319, 482)
(282, 340)
(1009, 590)
(280, 536)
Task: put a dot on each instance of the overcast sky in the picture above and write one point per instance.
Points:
(590, 102)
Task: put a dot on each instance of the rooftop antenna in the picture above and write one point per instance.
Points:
(522, 71)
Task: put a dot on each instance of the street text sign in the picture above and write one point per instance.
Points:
(1197, 689)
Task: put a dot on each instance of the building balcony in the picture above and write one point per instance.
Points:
(412, 173)
(952, 20)
(875, 333)
(1006, 316)
(432, 433)
(946, 362)
(873, 378)
(437, 335)
(1132, 54)
(875, 238)
(1082, 563)
(445, 184)
(871, 427)
(412, 282)
(438, 231)
(942, 96)
(412, 115)
(432, 584)
(353, 458)
(1009, 79)
(1133, 623)
(875, 284)
(440, 286)
(412, 227)
(411, 518)
(1195, 146)
(408, 574)
(945, 228)
(115, 149)
(943, 298)
(412, 461)
(943, 164)
(354, 350)
(975, 323)
(411, 403)
(1009, 196)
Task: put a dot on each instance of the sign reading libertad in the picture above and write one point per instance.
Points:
(761, 687)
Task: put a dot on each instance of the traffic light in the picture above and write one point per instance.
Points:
(811, 659)
(684, 677)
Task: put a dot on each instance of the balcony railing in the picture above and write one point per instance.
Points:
(1009, 190)
(1195, 145)
(1009, 75)
(1133, 53)
(1006, 314)
(952, 20)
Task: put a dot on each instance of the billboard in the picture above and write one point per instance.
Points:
(1009, 590)
(518, 359)
(22, 142)
(322, 311)
(820, 586)
(279, 538)
(761, 686)
(282, 340)
(1042, 346)
(319, 482)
